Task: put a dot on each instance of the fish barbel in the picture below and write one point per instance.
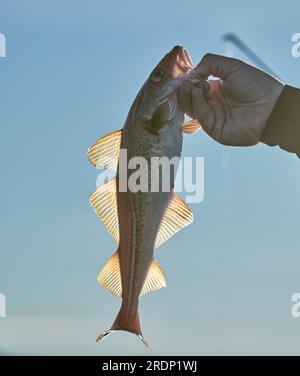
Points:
(141, 220)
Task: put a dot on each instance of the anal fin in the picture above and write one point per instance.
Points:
(177, 216)
(155, 279)
(110, 277)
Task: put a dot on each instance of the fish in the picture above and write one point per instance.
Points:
(140, 221)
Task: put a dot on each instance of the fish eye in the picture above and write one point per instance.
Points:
(157, 75)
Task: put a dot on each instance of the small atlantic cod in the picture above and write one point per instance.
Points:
(141, 221)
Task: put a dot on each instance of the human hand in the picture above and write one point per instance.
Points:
(235, 108)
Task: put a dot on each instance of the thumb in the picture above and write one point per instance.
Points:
(202, 110)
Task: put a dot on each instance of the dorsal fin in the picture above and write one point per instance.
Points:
(104, 202)
(110, 277)
(105, 152)
(177, 216)
(191, 126)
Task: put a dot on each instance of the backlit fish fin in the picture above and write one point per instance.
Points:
(155, 279)
(191, 126)
(104, 202)
(105, 152)
(110, 276)
(177, 216)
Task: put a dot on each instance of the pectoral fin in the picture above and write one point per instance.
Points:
(177, 216)
(191, 126)
(105, 152)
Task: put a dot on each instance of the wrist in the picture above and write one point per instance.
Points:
(283, 124)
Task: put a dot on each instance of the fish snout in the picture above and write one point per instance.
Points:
(180, 62)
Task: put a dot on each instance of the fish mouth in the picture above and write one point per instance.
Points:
(182, 64)
(177, 63)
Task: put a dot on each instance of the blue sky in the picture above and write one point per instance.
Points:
(71, 73)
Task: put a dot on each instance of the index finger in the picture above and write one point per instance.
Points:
(215, 65)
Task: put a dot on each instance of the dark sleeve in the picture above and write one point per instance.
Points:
(283, 125)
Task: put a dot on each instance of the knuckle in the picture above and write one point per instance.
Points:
(207, 57)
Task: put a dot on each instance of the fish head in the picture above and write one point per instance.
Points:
(157, 103)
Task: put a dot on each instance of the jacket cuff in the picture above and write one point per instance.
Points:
(283, 125)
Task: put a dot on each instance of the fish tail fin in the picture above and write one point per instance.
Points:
(129, 323)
